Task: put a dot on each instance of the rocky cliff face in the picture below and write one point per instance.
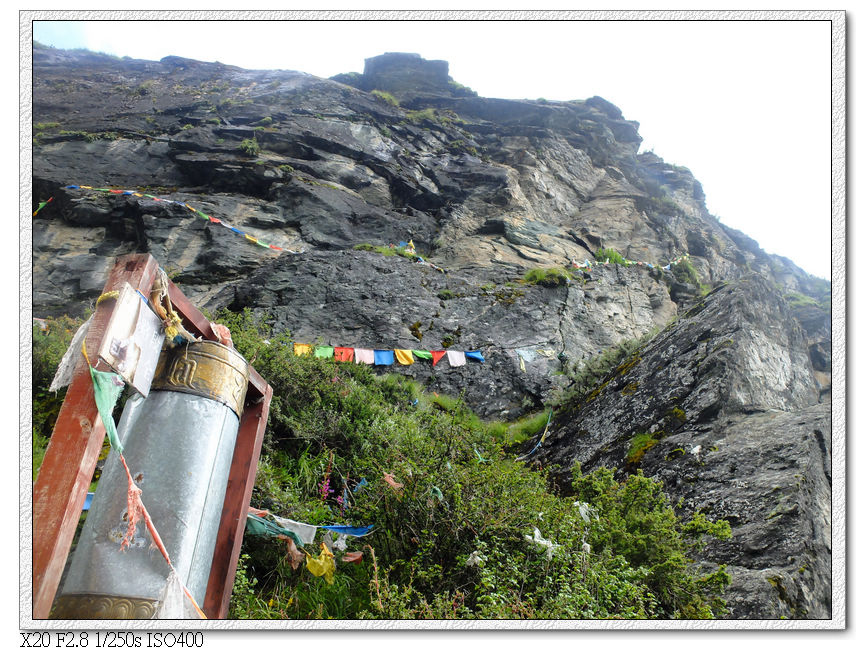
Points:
(732, 392)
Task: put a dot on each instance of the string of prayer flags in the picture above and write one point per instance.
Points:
(343, 354)
(195, 211)
(301, 533)
(404, 357)
(380, 357)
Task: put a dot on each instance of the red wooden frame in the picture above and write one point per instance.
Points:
(70, 459)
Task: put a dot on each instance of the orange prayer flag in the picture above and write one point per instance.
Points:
(343, 354)
(437, 355)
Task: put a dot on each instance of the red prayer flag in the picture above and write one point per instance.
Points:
(437, 355)
(343, 354)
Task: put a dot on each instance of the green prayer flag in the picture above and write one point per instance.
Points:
(422, 354)
(107, 387)
(323, 352)
(257, 526)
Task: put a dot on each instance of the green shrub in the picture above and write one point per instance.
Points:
(421, 115)
(527, 426)
(604, 254)
(588, 375)
(550, 277)
(641, 527)
(685, 272)
(250, 146)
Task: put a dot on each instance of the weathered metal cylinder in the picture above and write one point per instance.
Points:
(178, 444)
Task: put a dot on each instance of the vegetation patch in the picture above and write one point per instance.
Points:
(451, 543)
(548, 277)
(611, 254)
(640, 444)
(385, 97)
(250, 146)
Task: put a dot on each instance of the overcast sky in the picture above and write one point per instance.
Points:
(745, 105)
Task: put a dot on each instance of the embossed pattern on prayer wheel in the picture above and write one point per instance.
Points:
(204, 368)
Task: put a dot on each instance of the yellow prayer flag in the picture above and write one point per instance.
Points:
(405, 357)
(301, 349)
(323, 565)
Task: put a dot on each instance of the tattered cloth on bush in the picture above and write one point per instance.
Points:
(537, 539)
(323, 565)
(389, 479)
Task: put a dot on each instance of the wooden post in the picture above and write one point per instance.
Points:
(241, 480)
(71, 456)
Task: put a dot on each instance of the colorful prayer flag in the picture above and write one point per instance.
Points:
(364, 355)
(404, 357)
(343, 354)
(324, 352)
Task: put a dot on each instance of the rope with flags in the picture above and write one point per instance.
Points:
(194, 210)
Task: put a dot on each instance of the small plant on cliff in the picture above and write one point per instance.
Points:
(385, 97)
(550, 277)
(685, 272)
(250, 146)
(604, 254)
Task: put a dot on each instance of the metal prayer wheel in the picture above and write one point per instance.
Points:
(178, 444)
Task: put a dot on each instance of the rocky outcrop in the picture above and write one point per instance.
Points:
(730, 398)
(722, 406)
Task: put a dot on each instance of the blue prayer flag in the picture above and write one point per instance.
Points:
(475, 355)
(383, 357)
(354, 531)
